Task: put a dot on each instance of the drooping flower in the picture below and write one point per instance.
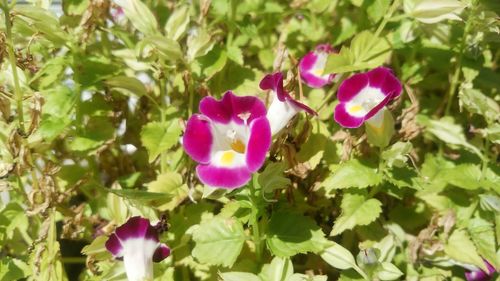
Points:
(363, 95)
(480, 275)
(137, 243)
(283, 107)
(312, 67)
(229, 139)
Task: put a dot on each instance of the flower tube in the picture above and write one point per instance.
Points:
(136, 243)
(480, 275)
(283, 107)
(312, 67)
(229, 139)
(363, 95)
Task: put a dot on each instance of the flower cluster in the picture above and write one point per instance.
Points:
(229, 138)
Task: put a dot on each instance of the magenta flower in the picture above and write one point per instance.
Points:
(229, 139)
(479, 275)
(312, 67)
(283, 107)
(137, 243)
(364, 95)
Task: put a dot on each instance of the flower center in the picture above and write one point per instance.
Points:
(238, 146)
(227, 157)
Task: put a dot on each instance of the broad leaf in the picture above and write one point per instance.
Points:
(158, 137)
(356, 210)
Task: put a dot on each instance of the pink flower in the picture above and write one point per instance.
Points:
(312, 67)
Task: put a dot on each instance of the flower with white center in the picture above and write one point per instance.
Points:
(363, 96)
(283, 107)
(476, 274)
(136, 243)
(229, 139)
(312, 67)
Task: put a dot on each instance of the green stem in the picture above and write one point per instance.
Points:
(387, 17)
(163, 92)
(486, 156)
(254, 224)
(332, 92)
(456, 74)
(13, 64)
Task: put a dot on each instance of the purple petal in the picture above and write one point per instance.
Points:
(383, 78)
(198, 139)
(378, 107)
(222, 177)
(314, 81)
(232, 107)
(114, 246)
(303, 107)
(258, 143)
(274, 82)
(352, 86)
(346, 120)
(478, 275)
(161, 253)
(136, 227)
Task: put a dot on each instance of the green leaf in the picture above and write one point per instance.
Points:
(199, 43)
(139, 15)
(158, 137)
(433, 11)
(273, 178)
(213, 62)
(489, 202)
(467, 176)
(169, 183)
(166, 48)
(13, 269)
(279, 269)
(130, 85)
(476, 102)
(352, 174)
(239, 276)
(380, 129)
(377, 9)
(234, 53)
(177, 23)
(446, 130)
(460, 247)
(388, 271)
(356, 210)
(141, 195)
(218, 241)
(395, 155)
(97, 249)
(483, 235)
(291, 233)
(338, 257)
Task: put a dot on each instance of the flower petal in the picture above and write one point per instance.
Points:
(314, 81)
(161, 253)
(258, 143)
(352, 86)
(198, 139)
(136, 227)
(280, 113)
(312, 65)
(383, 78)
(223, 177)
(232, 108)
(114, 246)
(346, 120)
(274, 82)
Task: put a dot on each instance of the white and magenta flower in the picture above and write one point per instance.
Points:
(363, 95)
(480, 275)
(229, 139)
(283, 107)
(312, 67)
(136, 243)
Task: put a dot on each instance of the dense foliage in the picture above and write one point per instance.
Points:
(94, 103)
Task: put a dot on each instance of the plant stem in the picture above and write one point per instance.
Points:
(387, 17)
(163, 92)
(332, 92)
(13, 65)
(456, 74)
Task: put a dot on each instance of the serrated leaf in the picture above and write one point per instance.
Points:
(467, 176)
(213, 62)
(460, 247)
(352, 174)
(157, 137)
(278, 270)
(273, 178)
(483, 235)
(356, 210)
(218, 241)
(291, 233)
(476, 102)
(377, 9)
(395, 155)
(169, 183)
(234, 53)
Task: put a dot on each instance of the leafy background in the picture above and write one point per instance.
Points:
(93, 105)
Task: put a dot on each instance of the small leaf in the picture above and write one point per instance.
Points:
(234, 53)
(476, 102)
(97, 248)
(166, 48)
(158, 137)
(460, 247)
(273, 178)
(131, 85)
(433, 11)
(199, 43)
(278, 270)
(291, 233)
(380, 128)
(169, 183)
(338, 257)
(395, 155)
(352, 174)
(388, 271)
(466, 176)
(218, 241)
(177, 23)
(356, 210)
(139, 15)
